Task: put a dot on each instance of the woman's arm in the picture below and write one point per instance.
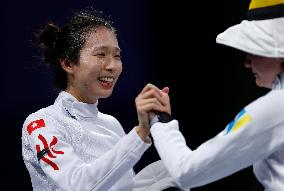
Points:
(249, 138)
(60, 162)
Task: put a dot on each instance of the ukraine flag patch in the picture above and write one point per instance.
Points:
(240, 120)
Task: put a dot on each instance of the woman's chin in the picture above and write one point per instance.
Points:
(263, 85)
(106, 94)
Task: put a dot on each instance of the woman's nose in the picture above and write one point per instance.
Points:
(111, 64)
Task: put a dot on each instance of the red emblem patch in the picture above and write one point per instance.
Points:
(49, 151)
(35, 125)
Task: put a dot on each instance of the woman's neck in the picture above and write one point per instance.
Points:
(80, 96)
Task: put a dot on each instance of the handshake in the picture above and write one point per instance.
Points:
(152, 105)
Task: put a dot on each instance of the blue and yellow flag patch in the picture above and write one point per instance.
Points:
(240, 120)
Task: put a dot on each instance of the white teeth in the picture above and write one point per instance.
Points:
(106, 79)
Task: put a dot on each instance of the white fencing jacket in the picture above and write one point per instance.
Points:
(255, 137)
(72, 146)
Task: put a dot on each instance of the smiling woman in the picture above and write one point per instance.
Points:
(99, 68)
(71, 145)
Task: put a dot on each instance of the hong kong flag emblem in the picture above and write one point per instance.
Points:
(35, 125)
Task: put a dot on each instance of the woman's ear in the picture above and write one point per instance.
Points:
(67, 66)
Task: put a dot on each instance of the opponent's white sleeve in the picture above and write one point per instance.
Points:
(154, 177)
(61, 163)
(256, 132)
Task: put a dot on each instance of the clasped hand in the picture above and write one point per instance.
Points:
(150, 99)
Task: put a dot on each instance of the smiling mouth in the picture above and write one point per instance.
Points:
(106, 79)
(106, 82)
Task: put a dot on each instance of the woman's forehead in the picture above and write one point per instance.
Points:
(103, 37)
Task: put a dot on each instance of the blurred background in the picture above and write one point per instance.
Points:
(167, 43)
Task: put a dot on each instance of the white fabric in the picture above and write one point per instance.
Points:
(258, 142)
(260, 37)
(97, 153)
(154, 177)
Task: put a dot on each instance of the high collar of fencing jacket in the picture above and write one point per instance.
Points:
(278, 82)
(76, 109)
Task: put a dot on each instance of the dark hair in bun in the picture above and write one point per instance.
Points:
(47, 41)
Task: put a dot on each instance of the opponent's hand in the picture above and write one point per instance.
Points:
(166, 100)
(166, 103)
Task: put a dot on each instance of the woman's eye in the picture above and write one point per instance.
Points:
(118, 58)
(100, 54)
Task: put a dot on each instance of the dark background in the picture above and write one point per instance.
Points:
(165, 43)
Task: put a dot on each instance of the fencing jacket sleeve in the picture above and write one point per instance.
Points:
(255, 133)
(154, 177)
